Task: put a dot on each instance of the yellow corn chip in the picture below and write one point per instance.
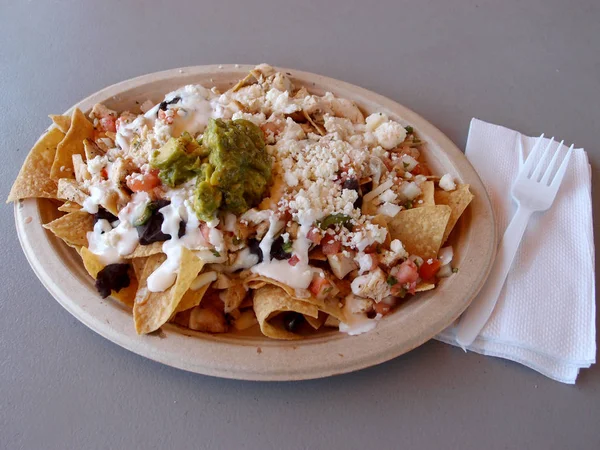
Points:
(69, 207)
(91, 149)
(138, 265)
(427, 195)
(421, 229)
(80, 168)
(93, 265)
(152, 309)
(63, 123)
(34, 177)
(192, 298)
(72, 227)
(71, 190)
(422, 287)
(72, 144)
(270, 301)
(142, 251)
(318, 322)
(458, 200)
(329, 305)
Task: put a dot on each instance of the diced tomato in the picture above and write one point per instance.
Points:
(406, 272)
(147, 182)
(411, 287)
(163, 116)
(417, 170)
(104, 173)
(388, 163)
(330, 246)
(315, 236)
(293, 260)
(108, 123)
(428, 270)
(320, 286)
(372, 248)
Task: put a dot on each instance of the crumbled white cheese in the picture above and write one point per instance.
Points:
(390, 134)
(374, 120)
(447, 183)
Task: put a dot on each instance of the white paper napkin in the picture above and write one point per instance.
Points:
(545, 316)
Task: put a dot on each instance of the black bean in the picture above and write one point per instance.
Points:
(181, 231)
(351, 183)
(254, 247)
(277, 250)
(292, 320)
(103, 214)
(151, 230)
(164, 104)
(113, 277)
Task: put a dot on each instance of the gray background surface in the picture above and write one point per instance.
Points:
(529, 65)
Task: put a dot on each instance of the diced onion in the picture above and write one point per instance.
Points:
(379, 190)
(445, 255)
(410, 190)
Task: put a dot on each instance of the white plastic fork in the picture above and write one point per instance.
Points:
(532, 191)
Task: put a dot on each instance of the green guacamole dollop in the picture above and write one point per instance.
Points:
(231, 164)
(238, 170)
(179, 160)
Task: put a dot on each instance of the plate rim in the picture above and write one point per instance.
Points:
(153, 347)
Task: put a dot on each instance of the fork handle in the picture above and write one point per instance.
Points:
(480, 310)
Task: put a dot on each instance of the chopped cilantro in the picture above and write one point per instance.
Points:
(455, 270)
(409, 129)
(335, 219)
(216, 253)
(287, 247)
(391, 280)
(405, 164)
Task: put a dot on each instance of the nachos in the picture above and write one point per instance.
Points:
(264, 206)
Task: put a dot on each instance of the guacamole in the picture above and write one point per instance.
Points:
(179, 160)
(237, 171)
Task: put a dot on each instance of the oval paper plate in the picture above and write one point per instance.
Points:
(251, 356)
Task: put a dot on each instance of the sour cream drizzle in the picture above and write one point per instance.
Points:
(109, 243)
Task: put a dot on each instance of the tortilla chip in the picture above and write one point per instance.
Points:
(318, 322)
(328, 305)
(458, 200)
(152, 309)
(80, 168)
(427, 195)
(71, 190)
(91, 149)
(34, 177)
(72, 144)
(138, 265)
(93, 265)
(381, 221)
(69, 207)
(270, 301)
(421, 229)
(142, 251)
(72, 227)
(63, 123)
(192, 298)
(423, 286)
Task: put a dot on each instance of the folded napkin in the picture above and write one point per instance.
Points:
(545, 316)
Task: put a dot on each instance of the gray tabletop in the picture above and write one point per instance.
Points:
(529, 65)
